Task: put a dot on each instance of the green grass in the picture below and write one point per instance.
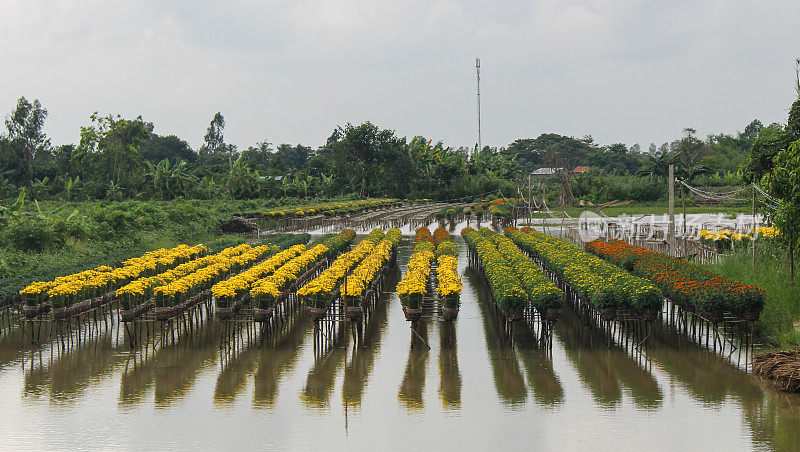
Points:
(771, 273)
(20, 268)
(133, 229)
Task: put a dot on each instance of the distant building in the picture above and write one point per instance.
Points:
(545, 172)
(276, 178)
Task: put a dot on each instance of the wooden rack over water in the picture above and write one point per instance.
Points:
(539, 323)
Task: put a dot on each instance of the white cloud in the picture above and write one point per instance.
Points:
(286, 71)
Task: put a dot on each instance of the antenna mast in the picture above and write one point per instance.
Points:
(478, 68)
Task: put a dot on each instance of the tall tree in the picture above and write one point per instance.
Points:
(158, 148)
(109, 150)
(259, 156)
(25, 136)
(214, 140)
(291, 158)
(781, 175)
(690, 149)
(373, 160)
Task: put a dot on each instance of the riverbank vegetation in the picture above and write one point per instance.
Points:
(782, 295)
(120, 158)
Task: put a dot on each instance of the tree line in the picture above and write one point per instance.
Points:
(121, 158)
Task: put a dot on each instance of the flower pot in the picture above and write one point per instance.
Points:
(552, 314)
(751, 315)
(412, 314)
(513, 314)
(262, 315)
(316, 313)
(126, 315)
(650, 314)
(608, 313)
(31, 312)
(354, 312)
(713, 317)
(59, 313)
(449, 314)
(164, 313)
(224, 313)
(132, 314)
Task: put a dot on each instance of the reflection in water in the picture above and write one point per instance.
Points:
(545, 385)
(774, 421)
(276, 362)
(508, 380)
(139, 375)
(604, 369)
(172, 370)
(708, 376)
(321, 378)
(10, 346)
(413, 386)
(357, 371)
(449, 374)
(237, 364)
(641, 384)
(710, 401)
(69, 372)
(179, 365)
(772, 417)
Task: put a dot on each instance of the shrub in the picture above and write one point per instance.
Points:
(32, 234)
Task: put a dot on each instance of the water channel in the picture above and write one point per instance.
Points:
(470, 390)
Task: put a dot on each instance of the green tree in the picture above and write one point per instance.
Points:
(158, 148)
(373, 159)
(782, 181)
(25, 139)
(170, 181)
(288, 158)
(241, 181)
(214, 140)
(259, 156)
(108, 152)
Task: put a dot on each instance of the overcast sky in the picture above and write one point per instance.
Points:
(291, 71)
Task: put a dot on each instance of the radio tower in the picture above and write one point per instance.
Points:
(478, 68)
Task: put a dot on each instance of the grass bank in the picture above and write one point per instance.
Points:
(771, 273)
(41, 242)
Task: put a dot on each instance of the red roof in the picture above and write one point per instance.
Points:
(580, 169)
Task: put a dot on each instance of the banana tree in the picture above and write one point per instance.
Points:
(39, 187)
(70, 185)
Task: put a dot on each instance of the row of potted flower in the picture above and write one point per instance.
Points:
(414, 284)
(359, 281)
(182, 289)
(449, 284)
(266, 291)
(228, 291)
(726, 240)
(332, 208)
(543, 294)
(140, 290)
(687, 284)
(507, 290)
(65, 291)
(603, 285)
(317, 293)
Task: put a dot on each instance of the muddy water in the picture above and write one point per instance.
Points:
(470, 390)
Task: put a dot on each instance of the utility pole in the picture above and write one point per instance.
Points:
(683, 233)
(530, 201)
(478, 69)
(671, 226)
(754, 233)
